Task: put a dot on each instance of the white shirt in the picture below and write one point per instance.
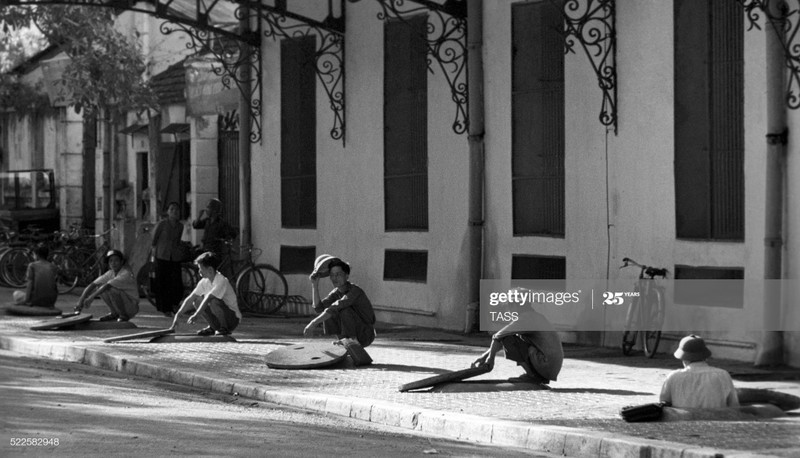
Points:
(221, 289)
(699, 385)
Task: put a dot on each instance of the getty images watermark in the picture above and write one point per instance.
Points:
(607, 305)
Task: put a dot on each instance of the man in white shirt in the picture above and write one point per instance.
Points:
(698, 385)
(213, 298)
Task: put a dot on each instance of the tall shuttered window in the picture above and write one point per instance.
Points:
(298, 134)
(537, 110)
(405, 116)
(709, 119)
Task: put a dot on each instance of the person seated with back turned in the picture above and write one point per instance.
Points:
(698, 385)
(532, 343)
(40, 277)
(346, 311)
(213, 298)
(117, 287)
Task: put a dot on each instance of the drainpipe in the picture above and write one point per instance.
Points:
(476, 155)
(244, 130)
(770, 349)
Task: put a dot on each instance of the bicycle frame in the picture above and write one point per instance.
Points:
(646, 311)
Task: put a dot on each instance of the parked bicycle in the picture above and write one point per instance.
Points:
(260, 288)
(189, 278)
(81, 260)
(646, 312)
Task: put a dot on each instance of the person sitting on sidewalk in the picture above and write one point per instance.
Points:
(117, 287)
(698, 385)
(532, 343)
(346, 311)
(213, 298)
(40, 289)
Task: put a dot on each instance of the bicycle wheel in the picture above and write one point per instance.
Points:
(66, 272)
(189, 277)
(261, 289)
(16, 266)
(629, 336)
(3, 252)
(653, 317)
(143, 282)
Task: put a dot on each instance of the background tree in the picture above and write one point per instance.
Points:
(106, 68)
(19, 45)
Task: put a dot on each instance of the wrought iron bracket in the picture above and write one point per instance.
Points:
(446, 42)
(781, 138)
(237, 63)
(592, 24)
(785, 19)
(328, 57)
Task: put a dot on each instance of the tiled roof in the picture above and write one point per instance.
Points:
(170, 85)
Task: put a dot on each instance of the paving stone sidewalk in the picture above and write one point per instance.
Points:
(578, 416)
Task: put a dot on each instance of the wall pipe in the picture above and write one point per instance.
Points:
(245, 76)
(770, 349)
(476, 155)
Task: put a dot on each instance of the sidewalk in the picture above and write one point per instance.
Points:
(577, 417)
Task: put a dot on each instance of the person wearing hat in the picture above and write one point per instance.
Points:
(117, 287)
(216, 229)
(698, 385)
(346, 311)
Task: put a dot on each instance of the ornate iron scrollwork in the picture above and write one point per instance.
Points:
(592, 23)
(786, 19)
(232, 56)
(328, 57)
(446, 37)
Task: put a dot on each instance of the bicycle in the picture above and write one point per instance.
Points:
(261, 289)
(81, 260)
(646, 311)
(189, 278)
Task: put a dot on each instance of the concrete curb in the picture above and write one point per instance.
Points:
(540, 438)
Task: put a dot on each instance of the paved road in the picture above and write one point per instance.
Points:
(578, 416)
(94, 412)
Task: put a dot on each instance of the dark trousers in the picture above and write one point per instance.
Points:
(219, 316)
(169, 286)
(347, 323)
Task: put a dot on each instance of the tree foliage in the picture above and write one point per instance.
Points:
(21, 97)
(106, 67)
(18, 45)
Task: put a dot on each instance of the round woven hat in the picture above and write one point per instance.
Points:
(692, 348)
(321, 265)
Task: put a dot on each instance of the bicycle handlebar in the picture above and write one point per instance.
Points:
(646, 270)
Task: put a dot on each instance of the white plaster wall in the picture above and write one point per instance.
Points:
(350, 218)
(640, 201)
(791, 302)
(69, 171)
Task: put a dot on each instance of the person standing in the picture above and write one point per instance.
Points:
(166, 249)
(216, 229)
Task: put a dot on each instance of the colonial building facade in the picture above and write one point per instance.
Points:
(650, 139)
